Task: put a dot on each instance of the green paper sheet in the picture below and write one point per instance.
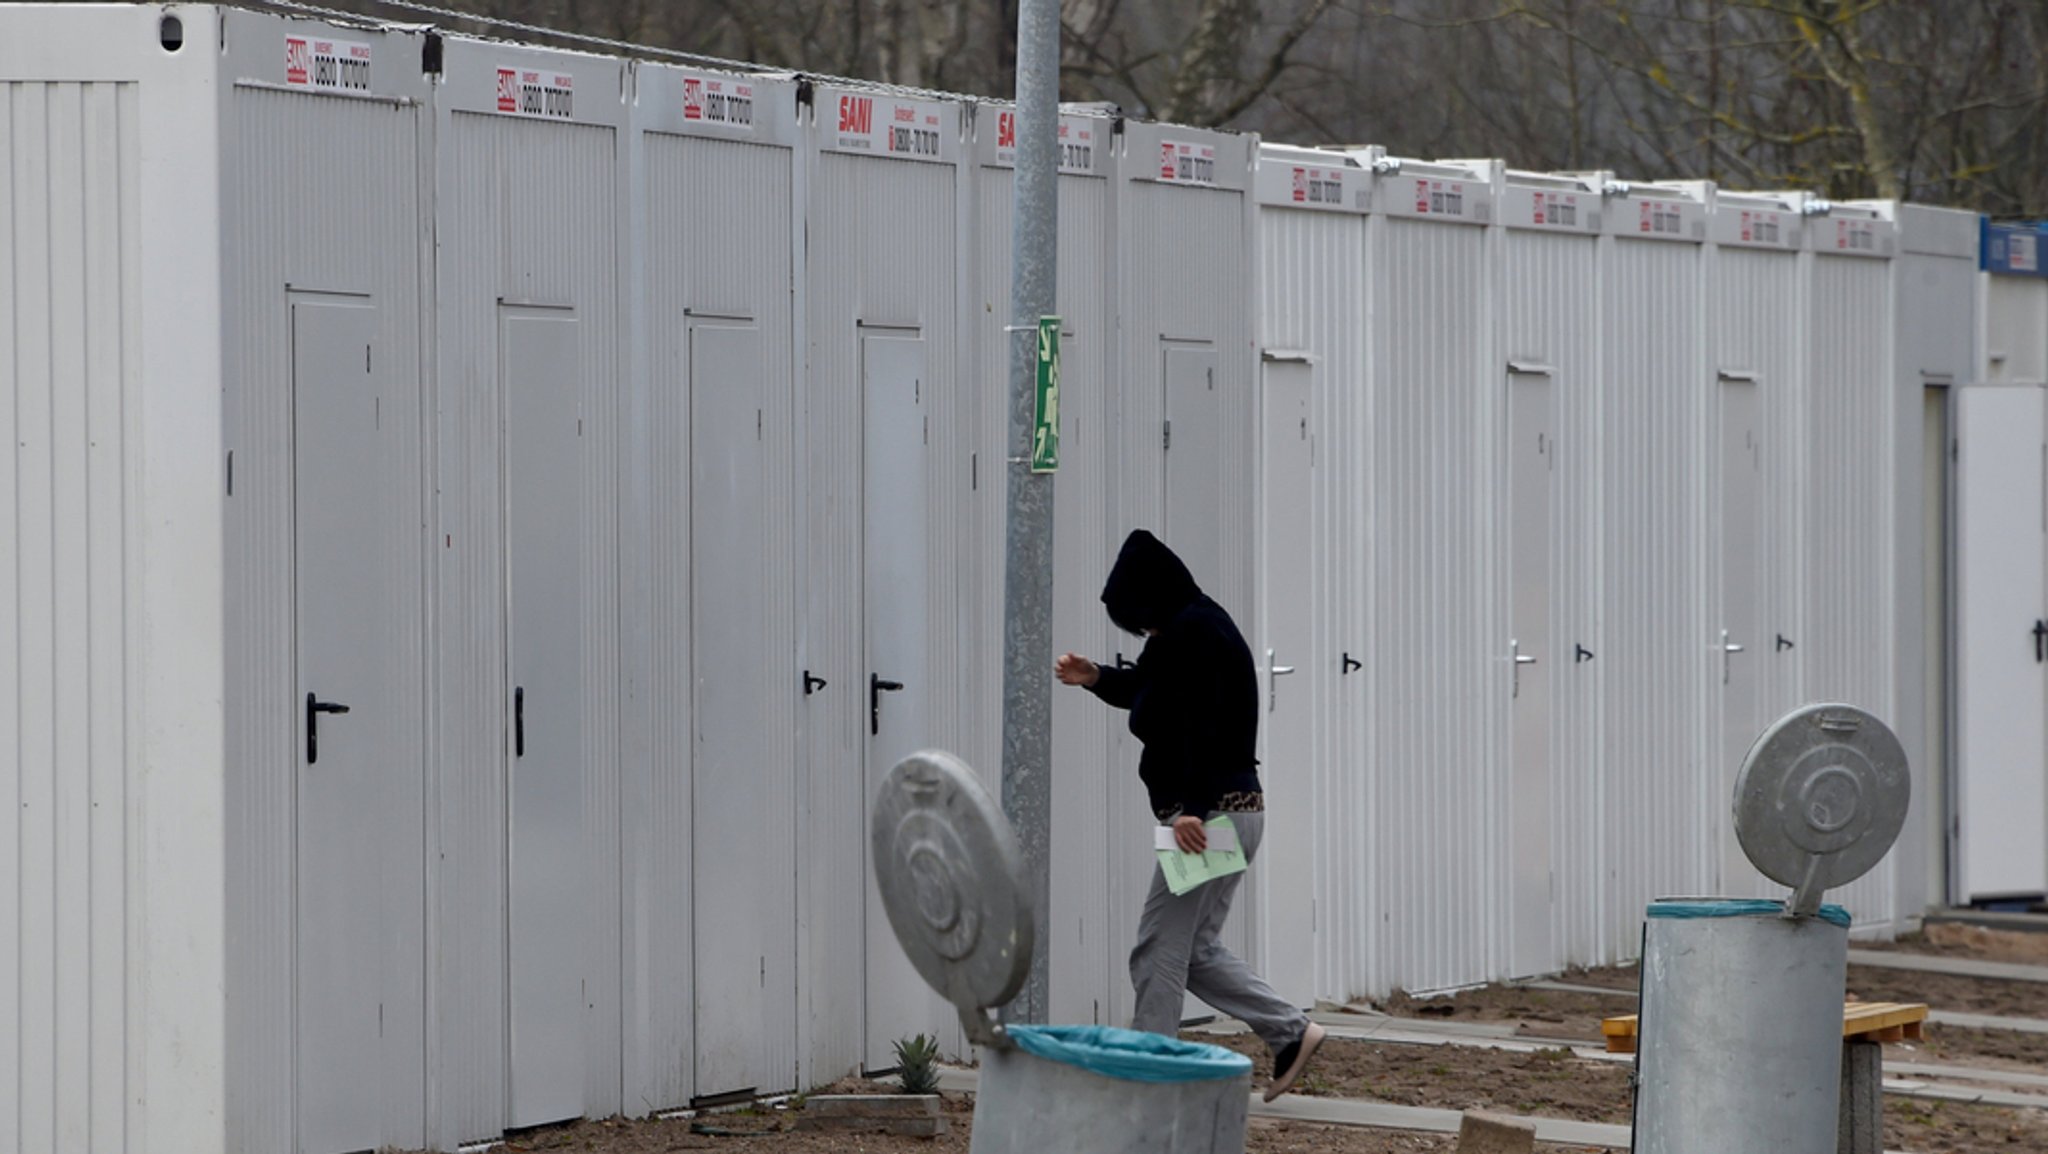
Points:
(1185, 871)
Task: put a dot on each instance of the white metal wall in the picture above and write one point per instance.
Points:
(1659, 802)
(312, 231)
(1851, 591)
(880, 255)
(719, 258)
(1550, 323)
(528, 213)
(1438, 678)
(1757, 333)
(1085, 960)
(1935, 303)
(1184, 279)
(1312, 307)
(112, 918)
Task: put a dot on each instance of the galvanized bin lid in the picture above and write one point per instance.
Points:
(951, 876)
(1821, 797)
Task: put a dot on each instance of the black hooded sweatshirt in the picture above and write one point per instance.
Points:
(1194, 694)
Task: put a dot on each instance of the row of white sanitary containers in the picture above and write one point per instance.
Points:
(695, 442)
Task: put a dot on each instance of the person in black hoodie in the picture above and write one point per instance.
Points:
(1194, 704)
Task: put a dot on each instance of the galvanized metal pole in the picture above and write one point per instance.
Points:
(1027, 556)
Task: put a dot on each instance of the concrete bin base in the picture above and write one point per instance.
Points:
(1029, 1105)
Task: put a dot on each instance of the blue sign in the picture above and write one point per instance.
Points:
(2014, 249)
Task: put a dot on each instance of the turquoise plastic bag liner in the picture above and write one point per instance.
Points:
(1736, 908)
(1133, 1055)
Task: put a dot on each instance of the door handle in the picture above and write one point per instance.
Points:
(1515, 650)
(519, 722)
(1785, 643)
(1349, 663)
(1583, 655)
(1274, 673)
(314, 708)
(1728, 650)
(812, 683)
(2040, 641)
(876, 688)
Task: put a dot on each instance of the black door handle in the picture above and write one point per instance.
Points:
(519, 722)
(876, 688)
(314, 708)
(812, 684)
(1350, 663)
(2040, 638)
(1584, 654)
(1785, 643)
(1122, 663)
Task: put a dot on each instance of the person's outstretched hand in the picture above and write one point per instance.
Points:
(1074, 669)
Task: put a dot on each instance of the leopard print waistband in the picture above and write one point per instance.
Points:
(1242, 801)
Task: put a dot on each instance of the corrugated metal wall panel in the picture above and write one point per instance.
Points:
(1312, 299)
(527, 212)
(1757, 329)
(1438, 683)
(1086, 963)
(732, 263)
(69, 170)
(1656, 656)
(901, 274)
(1184, 276)
(1849, 638)
(1549, 316)
(310, 227)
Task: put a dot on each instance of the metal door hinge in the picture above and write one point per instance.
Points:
(1166, 434)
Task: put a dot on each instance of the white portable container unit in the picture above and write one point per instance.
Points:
(532, 211)
(216, 499)
(1755, 465)
(2000, 595)
(1660, 808)
(888, 446)
(1085, 948)
(1848, 640)
(1439, 660)
(1548, 331)
(711, 853)
(1314, 541)
(1187, 439)
(1935, 305)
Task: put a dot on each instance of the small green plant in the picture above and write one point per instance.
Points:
(917, 1063)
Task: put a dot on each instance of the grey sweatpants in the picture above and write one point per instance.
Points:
(1177, 953)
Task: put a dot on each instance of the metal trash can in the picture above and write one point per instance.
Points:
(1740, 1038)
(951, 877)
(1104, 1090)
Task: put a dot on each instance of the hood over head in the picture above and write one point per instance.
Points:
(1148, 585)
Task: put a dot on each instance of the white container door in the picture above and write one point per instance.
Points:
(538, 356)
(896, 607)
(1192, 488)
(352, 767)
(744, 924)
(1292, 682)
(1736, 653)
(2001, 660)
(1532, 423)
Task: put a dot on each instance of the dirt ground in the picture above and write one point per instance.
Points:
(770, 1131)
(1551, 1083)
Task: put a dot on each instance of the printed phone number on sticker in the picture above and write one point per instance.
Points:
(527, 92)
(718, 102)
(343, 65)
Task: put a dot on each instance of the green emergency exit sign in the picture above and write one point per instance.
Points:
(1045, 429)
